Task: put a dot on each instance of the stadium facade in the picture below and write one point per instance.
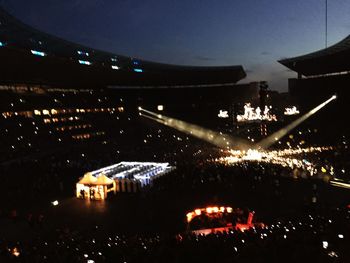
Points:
(320, 75)
(324, 72)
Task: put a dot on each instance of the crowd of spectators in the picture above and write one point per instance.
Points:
(43, 165)
(321, 236)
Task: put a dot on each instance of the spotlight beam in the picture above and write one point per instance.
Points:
(152, 118)
(213, 137)
(151, 113)
(267, 142)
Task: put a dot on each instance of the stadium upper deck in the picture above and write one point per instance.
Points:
(334, 59)
(29, 55)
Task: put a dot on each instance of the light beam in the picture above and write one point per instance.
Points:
(213, 137)
(267, 142)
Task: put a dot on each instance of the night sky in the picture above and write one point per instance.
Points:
(251, 33)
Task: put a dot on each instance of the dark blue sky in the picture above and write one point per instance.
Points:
(195, 32)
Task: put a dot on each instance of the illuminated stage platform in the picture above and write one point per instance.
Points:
(209, 220)
(121, 177)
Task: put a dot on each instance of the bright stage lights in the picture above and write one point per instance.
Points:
(251, 114)
(284, 158)
(225, 141)
(291, 111)
(244, 152)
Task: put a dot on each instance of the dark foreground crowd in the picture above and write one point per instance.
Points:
(314, 237)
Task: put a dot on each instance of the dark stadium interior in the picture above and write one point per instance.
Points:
(67, 110)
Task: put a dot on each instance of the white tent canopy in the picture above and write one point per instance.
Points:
(88, 179)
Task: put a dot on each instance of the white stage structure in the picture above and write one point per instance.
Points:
(121, 177)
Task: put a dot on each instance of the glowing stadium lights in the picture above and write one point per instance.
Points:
(138, 70)
(115, 67)
(223, 114)
(325, 244)
(15, 251)
(38, 53)
(267, 142)
(219, 139)
(87, 135)
(291, 111)
(83, 53)
(251, 114)
(1, 44)
(113, 59)
(84, 62)
(160, 107)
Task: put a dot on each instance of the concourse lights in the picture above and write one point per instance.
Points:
(83, 53)
(54, 203)
(84, 62)
(38, 53)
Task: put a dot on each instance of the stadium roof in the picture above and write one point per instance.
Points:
(333, 59)
(30, 55)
